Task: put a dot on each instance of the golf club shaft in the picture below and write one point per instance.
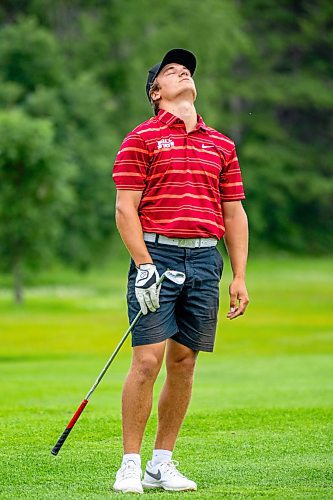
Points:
(114, 354)
(56, 448)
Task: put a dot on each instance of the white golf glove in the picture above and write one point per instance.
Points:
(146, 290)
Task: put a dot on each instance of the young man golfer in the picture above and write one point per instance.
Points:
(179, 190)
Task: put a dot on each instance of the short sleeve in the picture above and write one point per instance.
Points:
(132, 161)
(231, 184)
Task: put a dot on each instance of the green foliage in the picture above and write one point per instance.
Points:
(286, 145)
(30, 56)
(92, 145)
(33, 191)
(81, 111)
(36, 80)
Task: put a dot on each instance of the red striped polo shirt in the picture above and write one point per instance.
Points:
(184, 176)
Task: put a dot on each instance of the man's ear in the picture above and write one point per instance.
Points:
(155, 95)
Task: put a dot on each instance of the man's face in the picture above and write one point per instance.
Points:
(174, 80)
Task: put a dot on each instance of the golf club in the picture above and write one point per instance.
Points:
(176, 277)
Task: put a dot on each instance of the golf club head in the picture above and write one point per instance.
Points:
(175, 276)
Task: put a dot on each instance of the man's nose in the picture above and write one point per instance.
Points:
(184, 72)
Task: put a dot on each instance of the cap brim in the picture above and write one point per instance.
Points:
(179, 56)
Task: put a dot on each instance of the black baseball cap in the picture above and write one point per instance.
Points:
(179, 56)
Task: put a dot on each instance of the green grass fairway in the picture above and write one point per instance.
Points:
(260, 422)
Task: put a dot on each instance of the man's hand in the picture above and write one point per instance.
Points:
(239, 298)
(146, 290)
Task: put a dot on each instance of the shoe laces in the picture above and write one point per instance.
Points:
(171, 468)
(130, 470)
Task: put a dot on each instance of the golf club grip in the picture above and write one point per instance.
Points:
(56, 448)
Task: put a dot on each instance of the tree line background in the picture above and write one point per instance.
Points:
(72, 84)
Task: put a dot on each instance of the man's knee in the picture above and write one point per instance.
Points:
(146, 366)
(183, 365)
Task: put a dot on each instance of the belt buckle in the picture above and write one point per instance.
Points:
(182, 243)
(186, 243)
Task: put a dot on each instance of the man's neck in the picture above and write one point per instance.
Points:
(185, 111)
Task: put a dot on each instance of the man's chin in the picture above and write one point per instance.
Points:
(187, 93)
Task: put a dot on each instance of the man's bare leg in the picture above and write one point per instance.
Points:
(138, 393)
(175, 395)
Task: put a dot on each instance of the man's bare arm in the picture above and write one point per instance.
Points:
(236, 241)
(129, 225)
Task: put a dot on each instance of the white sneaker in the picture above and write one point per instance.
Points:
(128, 478)
(165, 475)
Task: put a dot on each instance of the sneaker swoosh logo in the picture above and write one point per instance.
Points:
(154, 476)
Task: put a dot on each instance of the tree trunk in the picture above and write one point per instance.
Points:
(18, 282)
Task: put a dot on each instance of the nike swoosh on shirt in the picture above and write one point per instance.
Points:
(154, 476)
(205, 146)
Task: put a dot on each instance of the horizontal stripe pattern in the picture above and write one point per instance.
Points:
(184, 176)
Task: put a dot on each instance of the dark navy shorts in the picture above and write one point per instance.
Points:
(187, 313)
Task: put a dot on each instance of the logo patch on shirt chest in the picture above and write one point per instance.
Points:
(165, 143)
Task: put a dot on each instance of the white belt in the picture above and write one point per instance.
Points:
(180, 242)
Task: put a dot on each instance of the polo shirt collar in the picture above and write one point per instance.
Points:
(171, 120)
